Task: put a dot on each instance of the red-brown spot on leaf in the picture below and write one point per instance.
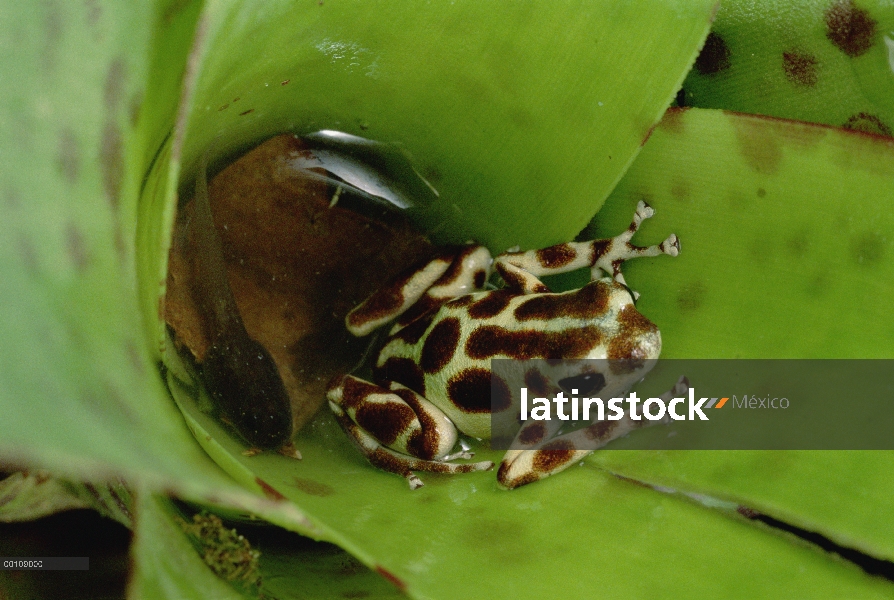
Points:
(759, 144)
(312, 487)
(27, 254)
(68, 155)
(111, 161)
(672, 121)
(268, 490)
(691, 296)
(714, 56)
(867, 123)
(868, 248)
(851, 29)
(53, 26)
(94, 12)
(114, 84)
(77, 247)
(799, 68)
(394, 579)
(680, 190)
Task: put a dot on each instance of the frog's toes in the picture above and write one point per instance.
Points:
(289, 451)
(671, 246)
(413, 480)
(644, 211)
(251, 452)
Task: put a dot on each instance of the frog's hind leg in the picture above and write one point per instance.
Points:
(397, 429)
(520, 467)
(521, 270)
(421, 288)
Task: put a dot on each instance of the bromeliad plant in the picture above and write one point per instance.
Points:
(528, 119)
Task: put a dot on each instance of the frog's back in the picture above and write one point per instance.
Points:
(445, 355)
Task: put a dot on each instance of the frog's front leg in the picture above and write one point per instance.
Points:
(397, 429)
(520, 270)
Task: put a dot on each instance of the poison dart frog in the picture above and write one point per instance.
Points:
(432, 377)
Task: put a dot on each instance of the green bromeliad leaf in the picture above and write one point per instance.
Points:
(27, 496)
(759, 204)
(80, 395)
(462, 535)
(824, 61)
(528, 123)
(788, 252)
(524, 118)
(166, 564)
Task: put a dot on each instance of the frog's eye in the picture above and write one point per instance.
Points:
(585, 383)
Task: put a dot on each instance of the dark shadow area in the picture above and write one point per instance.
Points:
(872, 566)
(72, 533)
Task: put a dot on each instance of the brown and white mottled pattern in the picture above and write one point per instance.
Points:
(601, 256)
(434, 373)
(392, 300)
(519, 467)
